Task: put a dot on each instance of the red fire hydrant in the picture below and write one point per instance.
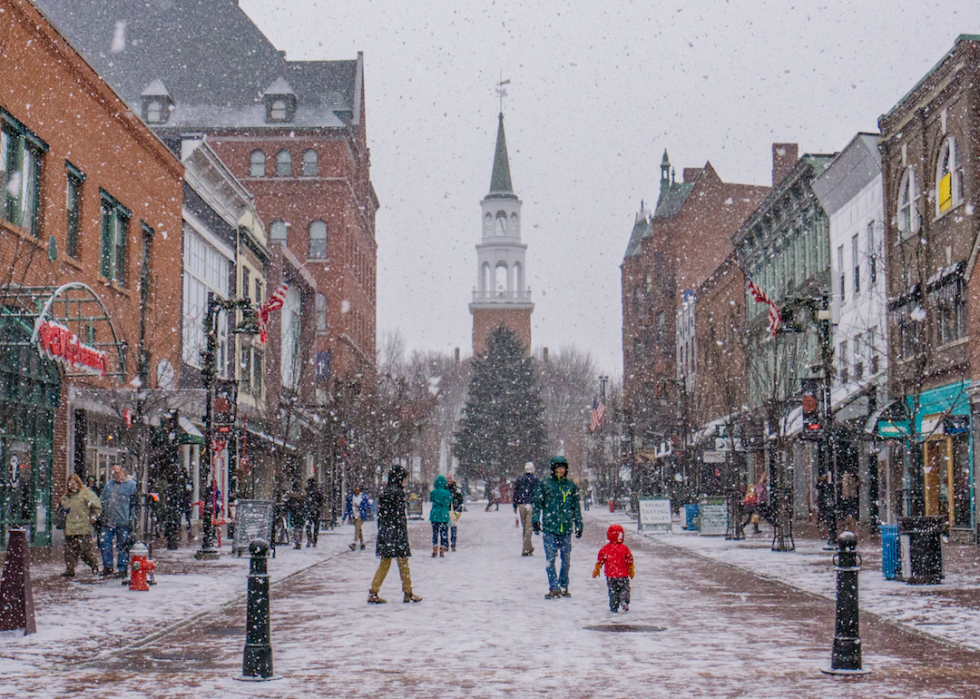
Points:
(612, 505)
(140, 566)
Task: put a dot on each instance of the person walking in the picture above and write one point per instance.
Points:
(358, 509)
(557, 512)
(618, 560)
(117, 498)
(393, 537)
(442, 501)
(296, 509)
(455, 509)
(82, 508)
(525, 489)
(749, 505)
(314, 510)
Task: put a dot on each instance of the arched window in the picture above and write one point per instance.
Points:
(284, 164)
(321, 313)
(257, 166)
(485, 278)
(949, 176)
(278, 111)
(154, 112)
(310, 167)
(500, 228)
(488, 224)
(277, 232)
(318, 241)
(501, 280)
(908, 196)
(513, 225)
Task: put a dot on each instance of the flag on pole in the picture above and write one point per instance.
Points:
(598, 410)
(273, 303)
(775, 318)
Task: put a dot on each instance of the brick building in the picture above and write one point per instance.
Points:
(89, 226)
(671, 251)
(929, 164)
(293, 132)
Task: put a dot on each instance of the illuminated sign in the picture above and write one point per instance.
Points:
(58, 343)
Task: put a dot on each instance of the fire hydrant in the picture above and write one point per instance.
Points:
(140, 566)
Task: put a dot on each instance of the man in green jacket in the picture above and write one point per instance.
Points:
(557, 512)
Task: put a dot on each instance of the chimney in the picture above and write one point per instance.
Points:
(784, 157)
(457, 355)
(545, 355)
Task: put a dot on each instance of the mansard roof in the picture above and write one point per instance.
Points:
(215, 62)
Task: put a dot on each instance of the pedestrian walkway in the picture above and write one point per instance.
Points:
(696, 628)
(950, 611)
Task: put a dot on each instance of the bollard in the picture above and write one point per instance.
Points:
(257, 657)
(846, 657)
(16, 595)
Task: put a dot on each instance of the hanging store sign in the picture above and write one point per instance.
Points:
(58, 343)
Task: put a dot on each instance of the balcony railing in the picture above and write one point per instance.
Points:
(502, 296)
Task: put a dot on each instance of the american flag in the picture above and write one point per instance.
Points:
(273, 303)
(598, 410)
(775, 319)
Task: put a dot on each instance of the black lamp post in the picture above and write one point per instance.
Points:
(249, 325)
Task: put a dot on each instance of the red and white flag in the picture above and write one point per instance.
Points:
(273, 303)
(598, 410)
(775, 319)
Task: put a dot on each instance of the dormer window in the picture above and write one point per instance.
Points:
(280, 103)
(157, 103)
(278, 111)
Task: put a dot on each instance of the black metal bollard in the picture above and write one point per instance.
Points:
(257, 657)
(846, 658)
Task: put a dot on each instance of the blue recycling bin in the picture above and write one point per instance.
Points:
(691, 516)
(890, 559)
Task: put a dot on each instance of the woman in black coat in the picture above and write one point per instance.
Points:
(393, 536)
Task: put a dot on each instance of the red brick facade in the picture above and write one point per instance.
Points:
(55, 95)
(486, 320)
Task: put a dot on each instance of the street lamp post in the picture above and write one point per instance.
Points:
(209, 374)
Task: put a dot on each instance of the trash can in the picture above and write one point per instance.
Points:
(691, 516)
(889, 551)
(922, 549)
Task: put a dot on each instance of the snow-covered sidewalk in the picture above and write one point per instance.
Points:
(87, 618)
(950, 611)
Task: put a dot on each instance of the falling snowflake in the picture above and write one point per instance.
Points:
(119, 37)
(918, 314)
(344, 306)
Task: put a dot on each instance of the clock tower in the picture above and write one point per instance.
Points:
(501, 296)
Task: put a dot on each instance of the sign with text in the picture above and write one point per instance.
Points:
(655, 515)
(58, 343)
(713, 518)
(253, 520)
(714, 457)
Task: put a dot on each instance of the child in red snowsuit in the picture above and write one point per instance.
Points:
(618, 560)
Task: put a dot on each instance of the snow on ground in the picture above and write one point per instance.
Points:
(82, 618)
(948, 610)
(483, 629)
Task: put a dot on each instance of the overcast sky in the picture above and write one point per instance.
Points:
(598, 91)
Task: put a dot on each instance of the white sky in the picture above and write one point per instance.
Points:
(596, 95)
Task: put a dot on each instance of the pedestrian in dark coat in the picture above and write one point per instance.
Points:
(456, 510)
(296, 508)
(393, 536)
(314, 511)
(525, 488)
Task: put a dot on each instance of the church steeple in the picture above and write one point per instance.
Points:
(664, 171)
(500, 184)
(501, 295)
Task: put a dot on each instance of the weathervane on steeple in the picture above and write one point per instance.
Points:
(502, 91)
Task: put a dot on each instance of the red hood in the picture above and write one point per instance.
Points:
(615, 534)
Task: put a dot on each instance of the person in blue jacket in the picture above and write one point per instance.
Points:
(442, 501)
(357, 509)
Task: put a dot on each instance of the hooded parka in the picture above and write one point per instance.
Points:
(441, 501)
(392, 522)
(556, 503)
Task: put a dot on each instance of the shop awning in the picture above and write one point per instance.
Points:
(262, 436)
(889, 421)
(189, 434)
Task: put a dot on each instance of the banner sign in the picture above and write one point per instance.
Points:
(713, 518)
(58, 343)
(655, 515)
